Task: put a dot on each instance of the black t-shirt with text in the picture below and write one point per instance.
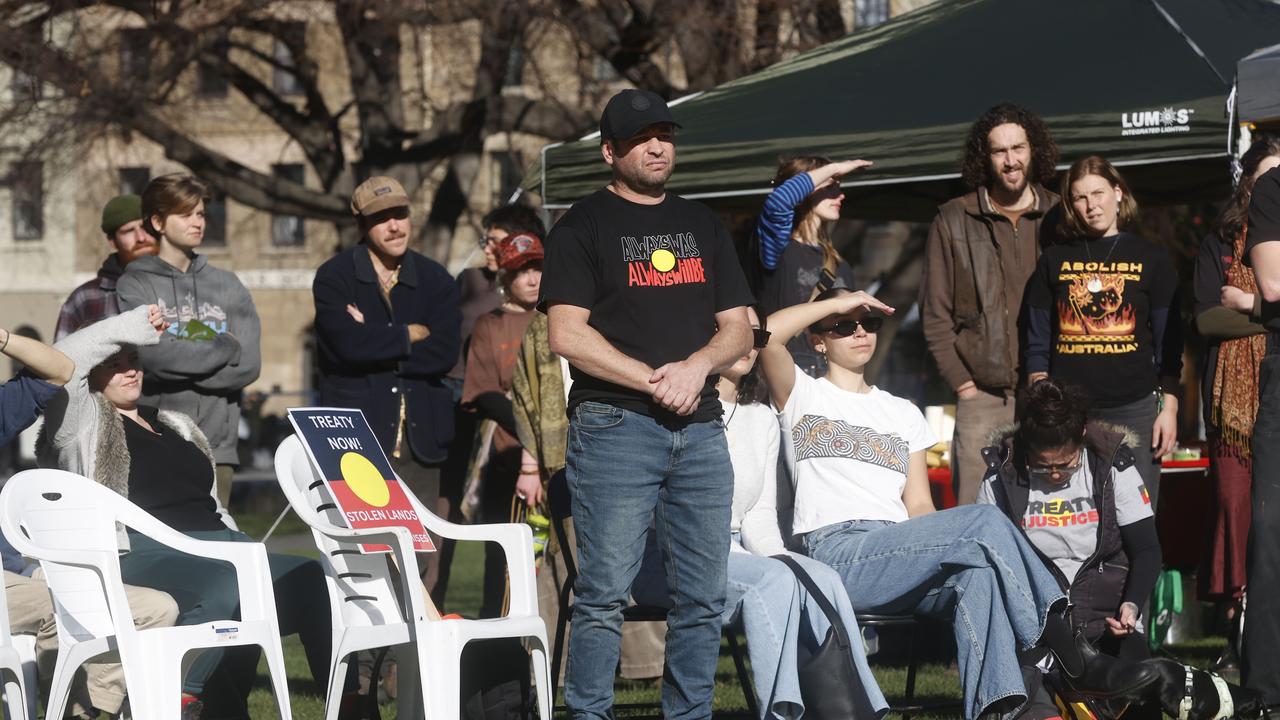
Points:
(653, 278)
(1264, 226)
(1101, 296)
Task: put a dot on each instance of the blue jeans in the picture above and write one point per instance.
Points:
(779, 617)
(968, 564)
(624, 471)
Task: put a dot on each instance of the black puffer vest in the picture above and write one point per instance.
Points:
(1098, 588)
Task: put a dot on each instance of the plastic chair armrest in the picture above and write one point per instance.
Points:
(516, 541)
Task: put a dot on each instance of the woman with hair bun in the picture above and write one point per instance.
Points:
(1101, 312)
(1072, 488)
(796, 253)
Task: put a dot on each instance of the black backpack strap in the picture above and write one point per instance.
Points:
(833, 617)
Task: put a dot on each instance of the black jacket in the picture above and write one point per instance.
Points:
(371, 365)
(1099, 585)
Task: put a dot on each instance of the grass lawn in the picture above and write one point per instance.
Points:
(936, 681)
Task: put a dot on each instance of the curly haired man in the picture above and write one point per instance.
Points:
(981, 249)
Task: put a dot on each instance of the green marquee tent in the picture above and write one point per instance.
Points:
(1258, 79)
(1143, 82)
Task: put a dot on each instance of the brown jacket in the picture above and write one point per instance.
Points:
(976, 267)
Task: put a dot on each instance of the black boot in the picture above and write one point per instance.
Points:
(1089, 672)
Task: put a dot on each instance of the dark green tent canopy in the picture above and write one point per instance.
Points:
(1258, 78)
(1114, 77)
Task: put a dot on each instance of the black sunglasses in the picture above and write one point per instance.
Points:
(845, 328)
(760, 338)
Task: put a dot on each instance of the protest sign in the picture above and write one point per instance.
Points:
(342, 447)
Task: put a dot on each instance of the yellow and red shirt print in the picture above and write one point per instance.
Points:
(662, 260)
(1095, 317)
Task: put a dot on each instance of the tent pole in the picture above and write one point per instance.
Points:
(1192, 43)
(1237, 149)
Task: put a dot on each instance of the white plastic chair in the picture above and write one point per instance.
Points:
(18, 664)
(68, 523)
(364, 592)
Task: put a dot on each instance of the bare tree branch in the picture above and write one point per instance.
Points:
(70, 45)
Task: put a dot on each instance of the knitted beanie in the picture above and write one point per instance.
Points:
(120, 210)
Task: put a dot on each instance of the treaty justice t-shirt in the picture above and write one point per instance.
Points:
(653, 277)
(1062, 521)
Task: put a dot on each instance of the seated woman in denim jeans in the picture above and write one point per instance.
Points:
(777, 613)
(864, 508)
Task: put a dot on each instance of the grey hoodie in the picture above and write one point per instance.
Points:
(202, 379)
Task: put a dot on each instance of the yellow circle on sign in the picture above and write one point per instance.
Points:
(663, 260)
(364, 479)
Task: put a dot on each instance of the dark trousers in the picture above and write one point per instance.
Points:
(453, 477)
(1261, 663)
(496, 507)
(205, 590)
(424, 482)
(1138, 416)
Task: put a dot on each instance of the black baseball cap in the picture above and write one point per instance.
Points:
(631, 111)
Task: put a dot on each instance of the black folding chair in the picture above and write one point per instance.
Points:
(908, 706)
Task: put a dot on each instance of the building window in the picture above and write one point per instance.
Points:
(506, 177)
(133, 180)
(25, 88)
(210, 82)
(869, 13)
(215, 219)
(27, 195)
(288, 230)
(285, 81)
(135, 54)
(603, 71)
(30, 333)
(515, 64)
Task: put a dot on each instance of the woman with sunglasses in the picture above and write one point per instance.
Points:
(796, 253)
(864, 507)
(1072, 486)
(778, 614)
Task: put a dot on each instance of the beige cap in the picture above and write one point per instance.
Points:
(377, 194)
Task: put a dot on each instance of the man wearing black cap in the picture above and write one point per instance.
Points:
(96, 299)
(647, 301)
(1261, 665)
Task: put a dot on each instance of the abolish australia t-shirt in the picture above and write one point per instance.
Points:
(653, 278)
(1102, 296)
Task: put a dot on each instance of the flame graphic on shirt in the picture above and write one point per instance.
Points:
(1103, 312)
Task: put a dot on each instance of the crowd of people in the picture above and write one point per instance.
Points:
(622, 371)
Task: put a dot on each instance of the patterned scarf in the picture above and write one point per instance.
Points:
(1235, 386)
